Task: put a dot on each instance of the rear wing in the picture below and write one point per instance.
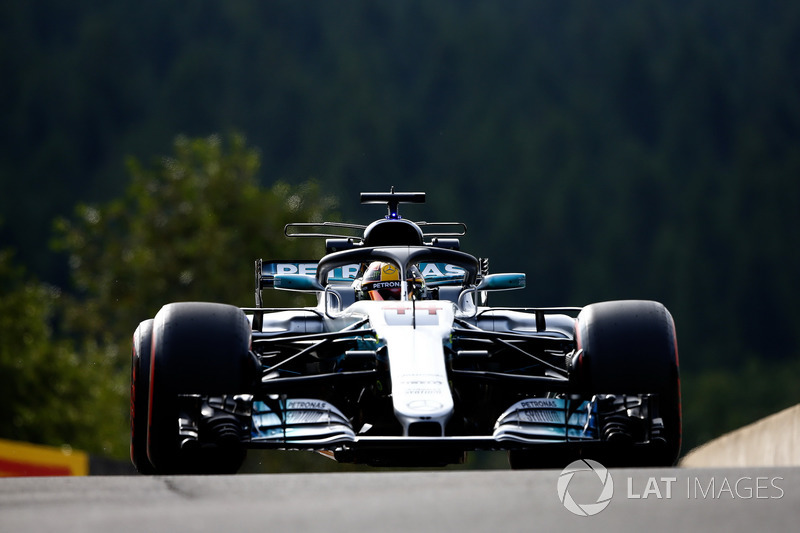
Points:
(433, 273)
(266, 271)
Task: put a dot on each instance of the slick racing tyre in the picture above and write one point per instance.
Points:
(140, 392)
(198, 348)
(630, 347)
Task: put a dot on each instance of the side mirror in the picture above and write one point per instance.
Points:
(297, 282)
(502, 282)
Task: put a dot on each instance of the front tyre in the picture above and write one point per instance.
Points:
(198, 348)
(630, 347)
(140, 395)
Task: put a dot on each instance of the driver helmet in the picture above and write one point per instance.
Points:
(381, 281)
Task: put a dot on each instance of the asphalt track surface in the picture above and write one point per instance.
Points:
(765, 500)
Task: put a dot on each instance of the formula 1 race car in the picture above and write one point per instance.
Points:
(402, 363)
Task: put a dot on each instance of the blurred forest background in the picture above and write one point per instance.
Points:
(150, 151)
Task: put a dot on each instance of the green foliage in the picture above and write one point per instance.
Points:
(189, 228)
(52, 391)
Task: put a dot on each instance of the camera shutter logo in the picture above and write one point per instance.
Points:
(585, 509)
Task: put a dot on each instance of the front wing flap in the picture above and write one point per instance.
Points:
(307, 423)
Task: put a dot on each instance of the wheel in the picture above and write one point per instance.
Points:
(140, 392)
(630, 347)
(198, 348)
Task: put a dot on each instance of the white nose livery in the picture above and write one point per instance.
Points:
(415, 332)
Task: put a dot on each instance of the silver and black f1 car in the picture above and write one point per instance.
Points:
(402, 363)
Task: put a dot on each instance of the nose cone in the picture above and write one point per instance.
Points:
(415, 333)
(422, 398)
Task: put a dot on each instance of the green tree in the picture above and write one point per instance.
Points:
(52, 391)
(188, 228)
